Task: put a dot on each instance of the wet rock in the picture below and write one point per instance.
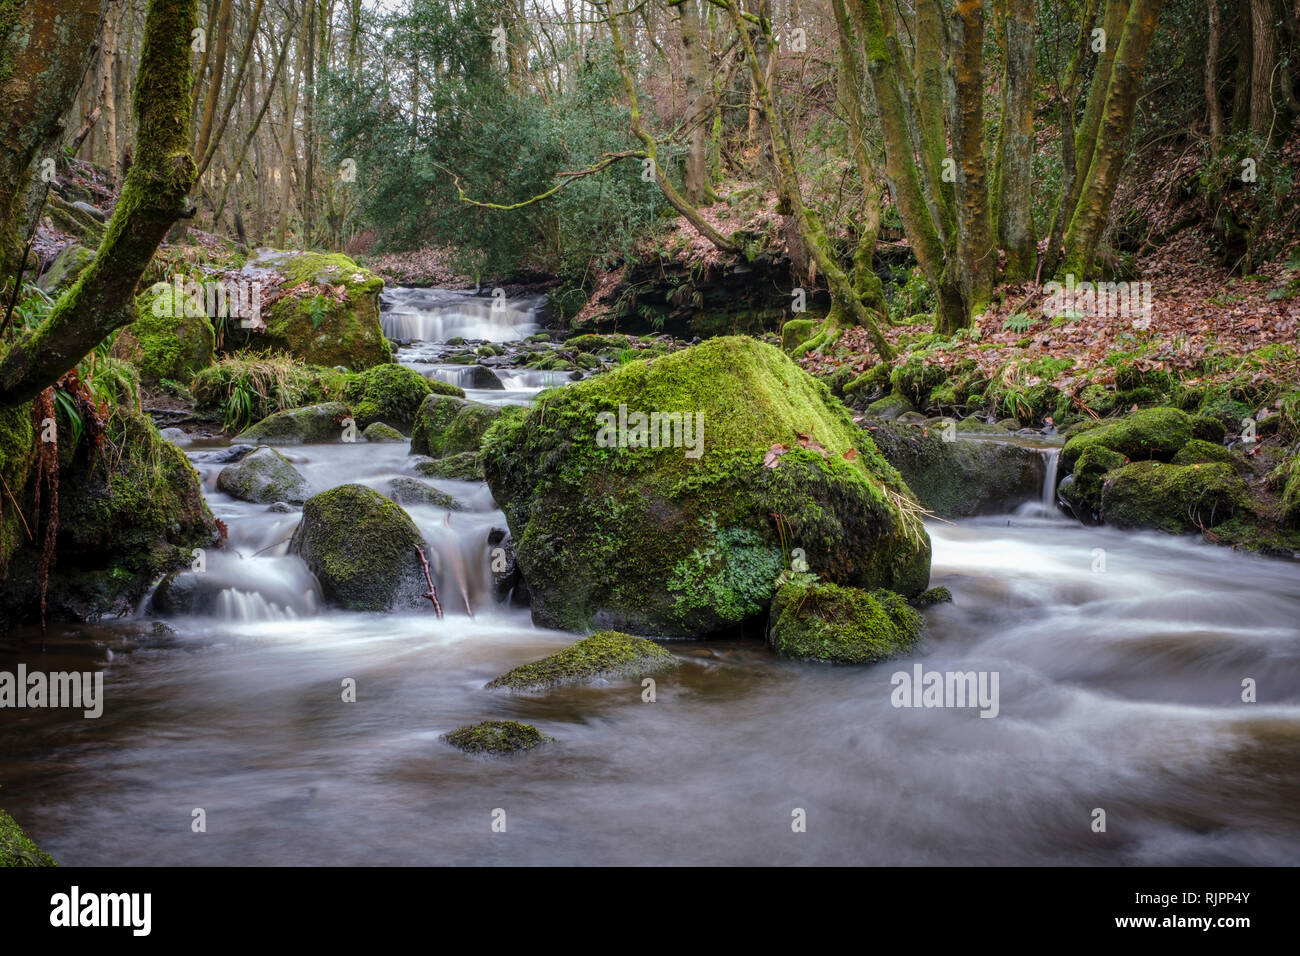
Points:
(412, 491)
(263, 477)
(379, 432)
(311, 423)
(608, 655)
(812, 621)
(496, 737)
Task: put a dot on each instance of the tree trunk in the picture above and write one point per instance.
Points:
(1015, 163)
(1263, 61)
(153, 196)
(975, 251)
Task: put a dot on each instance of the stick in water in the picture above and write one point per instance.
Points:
(433, 592)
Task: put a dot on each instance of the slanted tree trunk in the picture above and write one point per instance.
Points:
(153, 197)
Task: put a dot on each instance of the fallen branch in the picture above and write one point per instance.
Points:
(433, 592)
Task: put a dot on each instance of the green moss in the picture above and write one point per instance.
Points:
(1289, 474)
(870, 381)
(1082, 490)
(173, 346)
(1173, 498)
(1204, 452)
(932, 597)
(18, 452)
(915, 380)
(1208, 428)
(608, 655)
(890, 407)
(445, 425)
(465, 466)
(496, 737)
(589, 342)
(386, 393)
(310, 424)
(595, 522)
(17, 848)
(813, 621)
(1153, 433)
(796, 332)
(361, 547)
(379, 432)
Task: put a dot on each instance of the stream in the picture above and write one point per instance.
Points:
(1120, 657)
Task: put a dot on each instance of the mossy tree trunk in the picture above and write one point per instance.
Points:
(1107, 159)
(154, 195)
(45, 47)
(975, 251)
(1015, 221)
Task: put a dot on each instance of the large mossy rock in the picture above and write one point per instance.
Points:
(17, 848)
(1151, 434)
(683, 541)
(386, 393)
(362, 548)
(130, 510)
(295, 426)
(168, 340)
(446, 425)
(1289, 480)
(811, 621)
(605, 656)
(65, 269)
(957, 479)
(264, 477)
(1080, 491)
(1173, 498)
(327, 313)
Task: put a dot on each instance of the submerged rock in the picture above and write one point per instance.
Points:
(750, 452)
(264, 477)
(496, 737)
(17, 848)
(604, 656)
(311, 423)
(812, 621)
(361, 547)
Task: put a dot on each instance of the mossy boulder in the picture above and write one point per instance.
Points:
(1289, 481)
(496, 737)
(957, 479)
(595, 518)
(466, 466)
(446, 425)
(1173, 498)
(17, 848)
(168, 340)
(64, 270)
(413, 491)
(381, 433)
(327, 313)
(1198, 452)
(362, 548)
(1151, 434)
(815, 621)
(264, 477)
(296, 426)
(130, 510)
(889, 408)
(796, 332)
(1081, 489)
(915, 379)
(608, 655)
(386, 393)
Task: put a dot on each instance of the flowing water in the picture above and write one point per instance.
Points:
(1120, 660)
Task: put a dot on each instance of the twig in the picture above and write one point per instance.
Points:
(433, 592)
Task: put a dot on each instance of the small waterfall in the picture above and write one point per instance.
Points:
(436, 315)
(1051, 460)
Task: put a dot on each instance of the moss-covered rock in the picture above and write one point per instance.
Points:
(813, 621)
(796, 332)
(595, 519)
(295, 426)
(869, 383)
(264, 477)
(889, 408)
(413, 491)
(1206, 428)
(608, 655)
(466, 466)
(1081, 489)
(445, 425)
(167, 340)
(362, 548)
(386, 393)
(328, 312)
(915, 379)
(17, 848)
(64, 270)
(496, 737)
(1173, 498)
(1151, 434)
(379, 432)
(957, 479)
(1198, 452)
(1289, 481)
(130, 509)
